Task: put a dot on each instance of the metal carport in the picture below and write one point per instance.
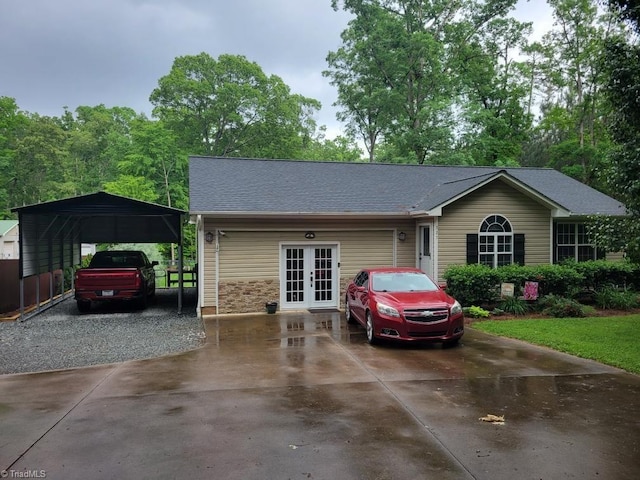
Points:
(51, 233)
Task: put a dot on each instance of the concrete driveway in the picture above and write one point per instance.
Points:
(303, 396)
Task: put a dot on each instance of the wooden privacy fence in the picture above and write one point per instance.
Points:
(34, 287)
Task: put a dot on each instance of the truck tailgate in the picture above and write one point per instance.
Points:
(102, 278)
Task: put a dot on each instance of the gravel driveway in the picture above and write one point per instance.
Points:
(62, 338)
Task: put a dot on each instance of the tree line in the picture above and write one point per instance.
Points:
(418, 81)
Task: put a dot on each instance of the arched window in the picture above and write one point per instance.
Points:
(495, 242)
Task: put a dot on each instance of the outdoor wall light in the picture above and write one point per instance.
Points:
(208, 237)
(309, 235)
(402, 236)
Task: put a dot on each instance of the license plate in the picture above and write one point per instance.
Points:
(107, 293)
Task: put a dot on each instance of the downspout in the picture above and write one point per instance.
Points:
(217, 304)
(200, 272)
(395, 246)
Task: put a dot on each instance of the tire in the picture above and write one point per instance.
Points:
(144, 300)
(370, 327)
(347, 311)
(84, 306)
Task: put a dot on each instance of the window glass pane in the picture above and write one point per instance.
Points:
(504, 260)
(566, 252)
(495, 223)
(566, 234)
(586, 253)
(486, 260)
(504, 243)
(486, 244)
(583, 238)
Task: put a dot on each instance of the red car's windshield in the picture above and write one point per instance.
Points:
(402, 282)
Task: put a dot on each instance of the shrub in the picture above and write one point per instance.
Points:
(612, 298)
(516, 274)
(514, 305)
(472, 284)
(557, 279)
(560, 307)
(475, 312)
(600, 273)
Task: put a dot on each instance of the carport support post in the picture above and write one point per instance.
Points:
(180, 273)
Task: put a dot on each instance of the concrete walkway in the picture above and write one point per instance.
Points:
(303, 396)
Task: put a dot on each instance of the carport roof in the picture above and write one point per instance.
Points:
(51, 232)
(108, 218)
(99, 203)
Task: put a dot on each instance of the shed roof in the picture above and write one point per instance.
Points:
(222, 185)
(6, 226)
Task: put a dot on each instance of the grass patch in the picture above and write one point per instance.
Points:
(609, 340)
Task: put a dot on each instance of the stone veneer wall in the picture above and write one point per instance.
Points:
(247, 296)
(251, 296)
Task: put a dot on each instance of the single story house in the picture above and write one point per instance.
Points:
(295, 232)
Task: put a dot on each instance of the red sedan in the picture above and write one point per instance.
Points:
(403, 304)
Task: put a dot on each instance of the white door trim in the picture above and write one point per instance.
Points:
(308, 276)
(430, 268)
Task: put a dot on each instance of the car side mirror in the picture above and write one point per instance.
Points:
(154, 263)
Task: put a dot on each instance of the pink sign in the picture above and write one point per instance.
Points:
(530, 290)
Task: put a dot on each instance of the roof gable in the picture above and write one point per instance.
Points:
(240, 186)
(6, 226)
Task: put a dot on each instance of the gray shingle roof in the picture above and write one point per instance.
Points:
(234, 185)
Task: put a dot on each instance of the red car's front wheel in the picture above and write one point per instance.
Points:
(370, 326)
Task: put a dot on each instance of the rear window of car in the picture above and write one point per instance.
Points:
(402, 282)
(116, 259)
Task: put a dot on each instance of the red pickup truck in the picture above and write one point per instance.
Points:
(115, 275)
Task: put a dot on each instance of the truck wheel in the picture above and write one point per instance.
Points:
(84, 306)
(143, 301)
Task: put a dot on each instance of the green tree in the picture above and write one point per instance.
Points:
(354, 69)
(12, 124)
(573, 123)
(38, 161)
(133, 187)
(98, 138)
(229, 107)
(340, 149)
(397, 72)
(622, 66)
(495, 90)
(154, 155)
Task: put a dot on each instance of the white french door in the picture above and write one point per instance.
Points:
(309, 276)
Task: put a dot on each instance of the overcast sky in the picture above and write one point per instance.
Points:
(57, 53)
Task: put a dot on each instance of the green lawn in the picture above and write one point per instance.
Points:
(611, 340)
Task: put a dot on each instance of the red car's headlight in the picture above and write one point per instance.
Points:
(387, 310)
(456, 308)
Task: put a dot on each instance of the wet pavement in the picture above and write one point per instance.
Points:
(303, 396)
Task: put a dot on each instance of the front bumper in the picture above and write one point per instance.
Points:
(411, 330)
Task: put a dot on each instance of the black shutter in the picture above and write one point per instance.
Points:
(601, 254)
(472, 248)
(555, 243)
(518, 248)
